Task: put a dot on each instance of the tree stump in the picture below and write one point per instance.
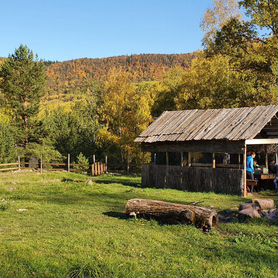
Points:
(172, 213)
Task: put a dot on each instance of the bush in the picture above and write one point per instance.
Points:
(44, 150)
(82, 164)
(4, 204)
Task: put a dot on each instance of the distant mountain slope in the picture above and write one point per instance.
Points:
(64, 76)
(69, 80)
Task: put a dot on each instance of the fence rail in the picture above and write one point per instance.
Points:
(9, 168)
(96, 169)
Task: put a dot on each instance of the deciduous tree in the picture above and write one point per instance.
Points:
(214, 18)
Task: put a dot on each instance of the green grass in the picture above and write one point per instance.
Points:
(70, 229)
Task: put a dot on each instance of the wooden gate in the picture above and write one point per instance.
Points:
(99, 168)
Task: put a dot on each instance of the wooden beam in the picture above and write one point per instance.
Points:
(167, 158)
(68, 162)
(262, 141)
(106, 164)
(208, 146)
(167, 169)
(244, 172)
(181, 159)
(266, 157)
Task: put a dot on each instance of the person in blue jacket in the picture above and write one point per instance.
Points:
(250, 166)
(276, 178)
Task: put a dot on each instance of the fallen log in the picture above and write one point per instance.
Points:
(172, 213)
(265, 204)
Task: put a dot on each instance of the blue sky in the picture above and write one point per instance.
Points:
(66, 29)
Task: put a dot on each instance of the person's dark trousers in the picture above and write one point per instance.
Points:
(249, 175)
(276, 184)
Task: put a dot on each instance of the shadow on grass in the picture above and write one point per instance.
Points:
(67, 180)
(228, 216)
(166, 220)
(123, 181)
(116, 214)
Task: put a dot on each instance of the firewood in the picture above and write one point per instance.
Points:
(249, 212)
(265, 204)
(173, 213)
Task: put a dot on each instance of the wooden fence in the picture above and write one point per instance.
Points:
(97, 168)
(218, 180)
(9, 166)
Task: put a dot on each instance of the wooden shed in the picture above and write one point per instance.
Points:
(205, 150)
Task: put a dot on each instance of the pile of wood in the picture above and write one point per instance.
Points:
(171, 213)
(259, 208)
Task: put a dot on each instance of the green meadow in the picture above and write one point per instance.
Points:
(57, 225)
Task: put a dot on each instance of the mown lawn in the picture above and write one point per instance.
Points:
(70, 229)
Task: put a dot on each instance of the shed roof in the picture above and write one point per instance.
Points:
(211, 124)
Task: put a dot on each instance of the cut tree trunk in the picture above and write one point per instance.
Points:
(172, 213)
(265, 204)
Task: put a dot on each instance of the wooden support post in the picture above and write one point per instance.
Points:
(181, 167)
(189, 159)
(266, 157)
(93, 169)
(98, 168)
(167, 168)
(18, 160)
(106, 163)
(94, 166)
(68, 162)
(154, 158)
(213, 161)
(239, 161)
(41, 164)
(244, 172)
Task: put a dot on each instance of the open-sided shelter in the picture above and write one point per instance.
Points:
(205, 150)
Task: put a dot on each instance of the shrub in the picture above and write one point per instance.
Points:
(4, 204)
(82, 164)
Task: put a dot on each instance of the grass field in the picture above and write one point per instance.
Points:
(55, 225)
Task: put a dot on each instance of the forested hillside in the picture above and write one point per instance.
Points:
(76, 75)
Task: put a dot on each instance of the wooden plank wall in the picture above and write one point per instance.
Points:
(195, 179)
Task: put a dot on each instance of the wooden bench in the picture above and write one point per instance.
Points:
(250, 184)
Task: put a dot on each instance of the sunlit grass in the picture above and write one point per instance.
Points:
(54, 225)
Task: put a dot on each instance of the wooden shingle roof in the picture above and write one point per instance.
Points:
(211, 124)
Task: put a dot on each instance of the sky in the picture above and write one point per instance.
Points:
(66, 29)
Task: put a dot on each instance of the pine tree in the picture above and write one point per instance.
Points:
(22, 82)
